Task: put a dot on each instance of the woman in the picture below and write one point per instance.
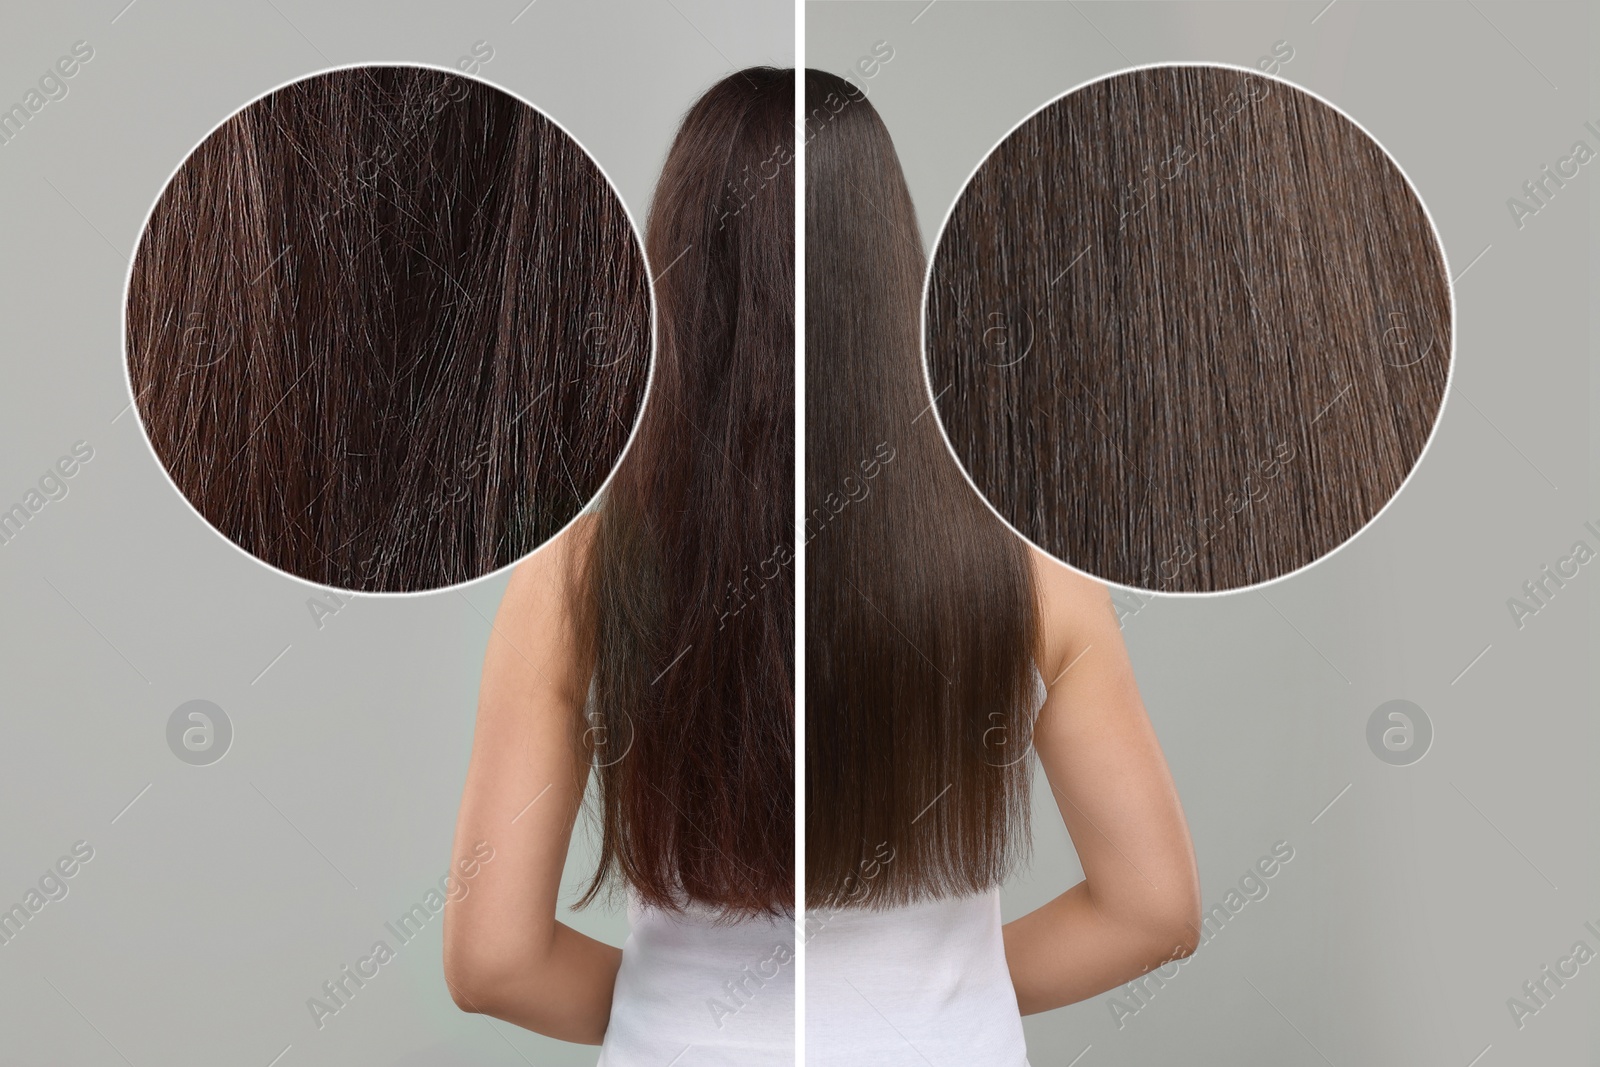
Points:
(654, 641)
(941, 655)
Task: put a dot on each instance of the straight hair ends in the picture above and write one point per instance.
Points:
(920, 604)
(686, 599)
(388, 328)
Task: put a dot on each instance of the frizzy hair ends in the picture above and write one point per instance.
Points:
(686, 601)
(920, 604)
(1189, 328)
(388, 328)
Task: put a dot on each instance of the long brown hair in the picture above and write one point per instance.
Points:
(1189, 327)
(388, 328)
(920, 607)
(686, 602)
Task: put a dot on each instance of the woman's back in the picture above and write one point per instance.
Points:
(913, 985)
(917, 983)
(693, 991)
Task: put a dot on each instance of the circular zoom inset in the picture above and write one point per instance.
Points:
(1188, 328)
(389, 328)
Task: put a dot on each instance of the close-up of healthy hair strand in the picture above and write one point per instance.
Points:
(388, 329)
(686, 599)
(921, 618)
(1189, 328)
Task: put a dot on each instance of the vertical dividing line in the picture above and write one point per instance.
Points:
(799, 535)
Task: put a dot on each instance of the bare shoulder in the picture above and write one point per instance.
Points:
(1074, 612)
(545, 577)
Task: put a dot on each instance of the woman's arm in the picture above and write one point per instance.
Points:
(1138, 905)
(505, 954)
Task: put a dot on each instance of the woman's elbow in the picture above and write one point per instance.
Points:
(465, 1000)
(472, 977)
(1178, 924)
(1164, 927)
(1184, 938)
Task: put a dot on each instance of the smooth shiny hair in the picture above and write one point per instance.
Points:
(388, 328)
(921, 617)
(1189, 327)
(686, 597)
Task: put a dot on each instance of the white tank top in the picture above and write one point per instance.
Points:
(910, 986)
(693, 992)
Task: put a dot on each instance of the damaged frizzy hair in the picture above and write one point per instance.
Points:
(389, 328)
(686, 600)
(1189, 328)
(920, 605)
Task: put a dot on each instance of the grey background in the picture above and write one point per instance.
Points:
(1427, 894)
(225, 895)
